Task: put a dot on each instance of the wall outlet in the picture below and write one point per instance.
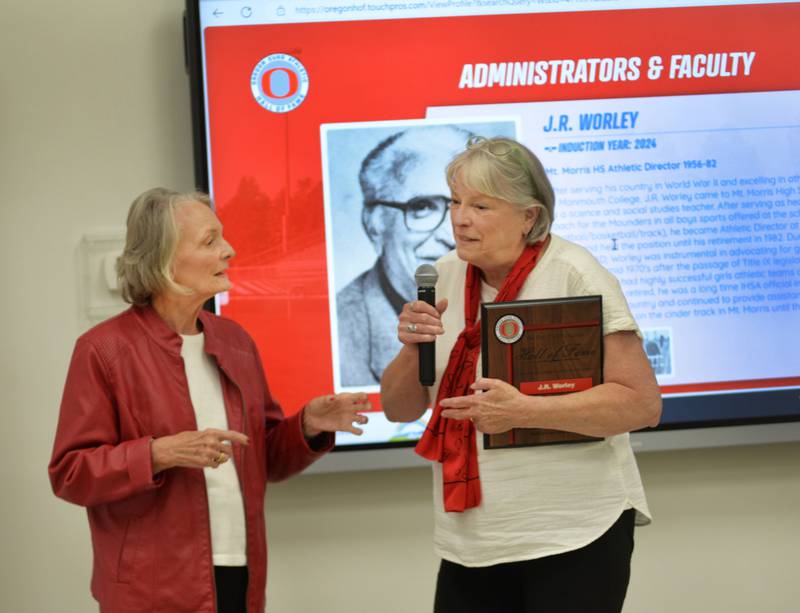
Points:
(101, 290)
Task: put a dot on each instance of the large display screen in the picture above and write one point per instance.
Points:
(670, 131)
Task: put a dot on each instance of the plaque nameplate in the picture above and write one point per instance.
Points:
(552, 346)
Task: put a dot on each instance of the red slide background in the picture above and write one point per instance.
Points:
(267, 175)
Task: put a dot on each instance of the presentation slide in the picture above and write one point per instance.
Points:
(693, 202)
(674, 150)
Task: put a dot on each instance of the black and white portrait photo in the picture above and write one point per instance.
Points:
(386, 208)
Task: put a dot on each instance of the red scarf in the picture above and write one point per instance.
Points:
(452, 441)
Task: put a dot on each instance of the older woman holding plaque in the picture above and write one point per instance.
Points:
(168, 433)
(546, 528)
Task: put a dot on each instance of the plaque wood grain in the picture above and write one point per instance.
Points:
(559, 350)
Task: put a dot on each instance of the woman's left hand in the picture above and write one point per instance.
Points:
(493, 410)
(336, 412)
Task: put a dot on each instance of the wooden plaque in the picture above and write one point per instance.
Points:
(552, 346)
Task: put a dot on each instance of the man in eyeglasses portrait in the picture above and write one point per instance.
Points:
(405, 216)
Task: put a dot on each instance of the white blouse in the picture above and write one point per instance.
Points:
(225, 503)
(538, 501)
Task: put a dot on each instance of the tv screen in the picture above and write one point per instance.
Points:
(670, 131)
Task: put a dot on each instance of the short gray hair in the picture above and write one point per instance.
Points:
(144, 269)
(505, 169)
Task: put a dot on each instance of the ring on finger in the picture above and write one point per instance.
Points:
(220, 458)
(411, 328)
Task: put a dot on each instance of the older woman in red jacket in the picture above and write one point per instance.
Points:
(168, 432)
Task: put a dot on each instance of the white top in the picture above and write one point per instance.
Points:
(538, 501)
(225, 504)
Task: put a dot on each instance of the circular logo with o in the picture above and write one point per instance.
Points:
(279, 83)
(508, 329)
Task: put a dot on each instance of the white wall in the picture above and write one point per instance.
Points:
(93, 109)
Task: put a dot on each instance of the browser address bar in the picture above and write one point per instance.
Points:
(389, 9)
(248, 12)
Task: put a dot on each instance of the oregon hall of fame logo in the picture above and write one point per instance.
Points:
(508, 329)
(279, 83)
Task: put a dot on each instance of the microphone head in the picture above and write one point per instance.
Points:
(426, 276)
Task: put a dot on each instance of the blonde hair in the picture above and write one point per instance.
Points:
(144, 268)
(505, 169)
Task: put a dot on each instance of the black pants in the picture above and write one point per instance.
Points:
(592, 579)
(231, 584)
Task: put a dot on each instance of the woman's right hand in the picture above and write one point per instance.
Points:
(194, 449)
(419, 322)
(403, 398)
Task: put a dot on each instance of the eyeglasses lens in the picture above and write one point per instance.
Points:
(425, 214)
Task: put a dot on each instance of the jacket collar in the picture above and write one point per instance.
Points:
(213, 344)
(170, 340)
(157, 329)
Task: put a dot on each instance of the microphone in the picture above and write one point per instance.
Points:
(426, 277)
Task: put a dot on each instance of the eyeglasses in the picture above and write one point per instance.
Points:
(508, 149)
(499, 148)
(421, 214)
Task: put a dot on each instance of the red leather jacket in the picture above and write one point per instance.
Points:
(151, 537)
